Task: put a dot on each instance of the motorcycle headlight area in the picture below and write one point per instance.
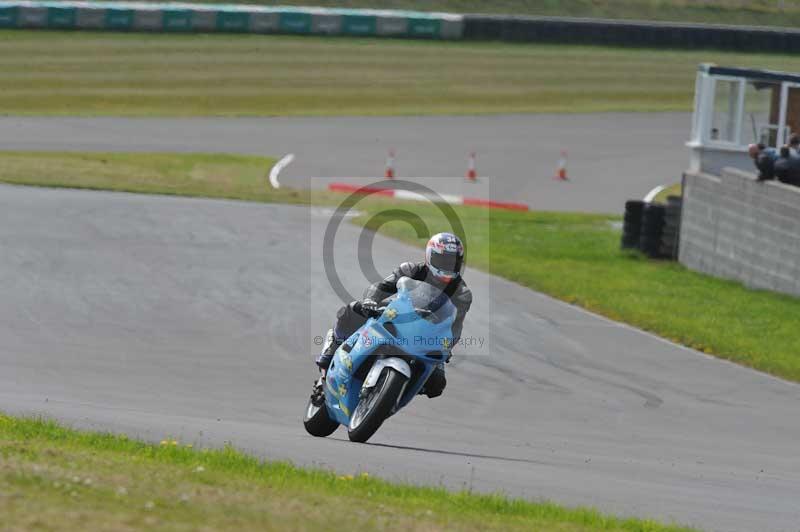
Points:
(375, 336)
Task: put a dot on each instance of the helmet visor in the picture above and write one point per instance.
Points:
(447, 262)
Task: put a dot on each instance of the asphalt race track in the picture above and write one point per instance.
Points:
(192, 318)
(612, 157)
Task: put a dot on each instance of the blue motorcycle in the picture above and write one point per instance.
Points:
(384, 364)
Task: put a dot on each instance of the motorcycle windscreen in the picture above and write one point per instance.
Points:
(428, 297)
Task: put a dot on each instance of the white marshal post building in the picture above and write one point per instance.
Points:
(733, 225)
(735, 107)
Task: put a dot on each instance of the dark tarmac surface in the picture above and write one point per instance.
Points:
(195, 319)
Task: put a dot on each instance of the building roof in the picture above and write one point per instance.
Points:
(750, 73)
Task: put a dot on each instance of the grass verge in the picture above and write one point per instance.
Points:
(52, 477)
(94, 73)
(212, 175)
(574, 257)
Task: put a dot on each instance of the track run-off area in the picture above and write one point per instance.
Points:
(612, 157)
(194, 319)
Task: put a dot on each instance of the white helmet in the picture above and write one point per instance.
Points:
(444, 256)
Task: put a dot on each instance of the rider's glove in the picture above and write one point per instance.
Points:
(368, 307)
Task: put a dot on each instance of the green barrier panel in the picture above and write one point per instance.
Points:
(204, 20)
(177, 20)
(326, 24)
(119, 19)
(61, 17)
(424, 27)
(91, 18)
(263, 23)
(225, 18)
(293, 22)
(233, 21)
(392, 26)
(359, 25)
(8, 17)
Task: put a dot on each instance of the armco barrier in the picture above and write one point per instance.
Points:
(629, 33)
(180, 17)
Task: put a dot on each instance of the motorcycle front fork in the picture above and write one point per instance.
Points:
(318, 392)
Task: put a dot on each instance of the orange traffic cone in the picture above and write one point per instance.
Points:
(389, 173)
(472, 174)
(561, 171)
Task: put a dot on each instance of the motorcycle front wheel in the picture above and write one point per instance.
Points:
(317, 422)
(376, 406)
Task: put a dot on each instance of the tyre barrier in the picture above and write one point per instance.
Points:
(652, 228)
(632, 224)
(173, 17)
(670, 234)
(630, 33)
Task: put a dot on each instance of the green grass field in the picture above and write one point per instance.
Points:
(574, 257)
(59, 73)
(53, 478)
(196, 174)
(747, 12)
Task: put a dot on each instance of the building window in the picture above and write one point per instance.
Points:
(725, 116)
(761, 113)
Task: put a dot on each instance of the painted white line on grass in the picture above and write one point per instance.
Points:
(285, 161)
(653, 193)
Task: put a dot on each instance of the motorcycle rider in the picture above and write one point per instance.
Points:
(444, 260)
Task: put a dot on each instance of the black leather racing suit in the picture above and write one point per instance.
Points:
(349, 318)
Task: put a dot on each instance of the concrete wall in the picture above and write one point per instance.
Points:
(711, 160)
(736, 227)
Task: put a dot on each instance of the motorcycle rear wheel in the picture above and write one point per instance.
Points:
(317, 422)
(373, 409)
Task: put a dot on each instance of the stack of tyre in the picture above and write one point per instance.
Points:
(671, 229)
(632, 226)
(652, 230)
(652, 227)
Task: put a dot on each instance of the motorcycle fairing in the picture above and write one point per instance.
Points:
(416, 337)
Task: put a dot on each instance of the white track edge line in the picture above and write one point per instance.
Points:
(285, 161)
